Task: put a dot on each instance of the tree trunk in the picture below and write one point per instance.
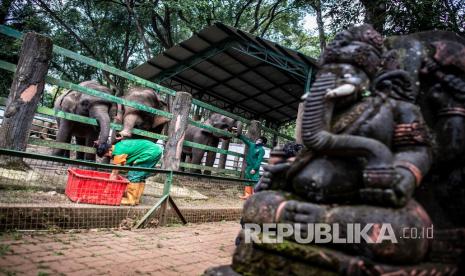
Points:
(223, 157)
(26, 91)
(375, 13)
(4, 9)
(176, 131)
(298, 124)
(253, 133)
(316, 5)
(140, 29)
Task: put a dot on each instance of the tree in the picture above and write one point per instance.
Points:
(398, 17)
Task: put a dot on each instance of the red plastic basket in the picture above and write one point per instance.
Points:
(94, 187)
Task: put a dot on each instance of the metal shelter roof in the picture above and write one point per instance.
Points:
(236, 71)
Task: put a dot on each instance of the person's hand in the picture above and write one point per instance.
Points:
(113, 176)
(118, 137)
(252, 171)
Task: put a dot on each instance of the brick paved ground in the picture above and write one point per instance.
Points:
(175, 250)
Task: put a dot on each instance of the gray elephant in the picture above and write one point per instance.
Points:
(43, 129)
(206, 137)
(133, 118)
(85, 105)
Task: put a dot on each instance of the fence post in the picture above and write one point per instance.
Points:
(253, 133)
(176, 130)
(173, 146)
(26, 91)
(275, 140)
(298, 124)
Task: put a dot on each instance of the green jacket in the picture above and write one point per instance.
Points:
(255, 153)
(136, 151)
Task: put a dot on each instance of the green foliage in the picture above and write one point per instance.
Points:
(123, 33)
(400, 16)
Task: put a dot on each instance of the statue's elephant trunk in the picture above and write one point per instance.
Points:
(318, 109)
(100, 113)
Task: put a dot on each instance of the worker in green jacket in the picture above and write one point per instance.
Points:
(138, 153)
(253, 160)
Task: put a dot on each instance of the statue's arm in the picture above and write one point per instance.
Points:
(412, 150)
(412, 158)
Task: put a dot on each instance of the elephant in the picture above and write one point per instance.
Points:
(206, 137)
(133, 118)
(43, 129)
(85, 105)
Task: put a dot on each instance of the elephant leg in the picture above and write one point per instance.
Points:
(211, 156)
(197, 155)
(63, 136)
(81, 141)
(183, 159)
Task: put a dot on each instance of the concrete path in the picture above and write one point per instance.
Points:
(175, 250)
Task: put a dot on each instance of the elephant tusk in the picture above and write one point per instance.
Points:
(343, 90)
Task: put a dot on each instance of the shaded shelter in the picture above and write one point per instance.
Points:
(236, 71)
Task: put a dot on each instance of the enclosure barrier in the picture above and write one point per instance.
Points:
(11, 67)
(34, 199)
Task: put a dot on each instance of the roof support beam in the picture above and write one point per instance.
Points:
(280, 106)
(180, 79)
(250, 47)
(242, 79)
(233, 75)
(266, 92)
(225, 84)
(214, 49)
(243, 64)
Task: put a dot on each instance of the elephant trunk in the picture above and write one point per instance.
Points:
(129, 121)
(100, 113)
(318, 109)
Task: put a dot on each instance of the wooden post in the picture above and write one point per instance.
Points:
(253, 133)
(173, 147)
(240, 125)
(298, 124)
(223, 157)
(176, 130)
(26, 91)
(275, 140)
(196, 116)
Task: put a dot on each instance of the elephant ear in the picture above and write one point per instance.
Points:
(119, 113)
(159, 121)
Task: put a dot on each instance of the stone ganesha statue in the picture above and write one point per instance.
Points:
(380, 118)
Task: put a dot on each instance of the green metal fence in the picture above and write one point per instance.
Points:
(158, 88)
(36, 198)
